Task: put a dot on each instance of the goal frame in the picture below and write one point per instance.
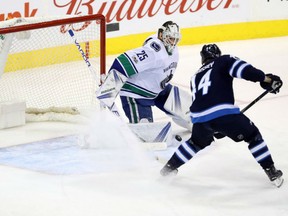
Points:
(65, 21)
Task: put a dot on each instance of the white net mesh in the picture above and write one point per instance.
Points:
(44, 66)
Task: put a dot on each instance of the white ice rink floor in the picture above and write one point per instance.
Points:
(43, 172)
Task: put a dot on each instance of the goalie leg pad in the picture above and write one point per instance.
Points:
(183, 122)
(178, 104)
(152, 132)
(110, 88)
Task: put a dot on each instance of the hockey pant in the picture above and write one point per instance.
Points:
(141, 109)
(237, 127)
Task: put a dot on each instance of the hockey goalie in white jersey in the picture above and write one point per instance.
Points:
(141, 77)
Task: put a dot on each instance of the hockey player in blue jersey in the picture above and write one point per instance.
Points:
(213, 110)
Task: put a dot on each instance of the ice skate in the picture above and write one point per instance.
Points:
(274, 175)
(167, 170)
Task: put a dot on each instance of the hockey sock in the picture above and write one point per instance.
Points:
(183, 154)
(261, 153)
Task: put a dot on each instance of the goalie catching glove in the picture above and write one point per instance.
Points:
(274, 85)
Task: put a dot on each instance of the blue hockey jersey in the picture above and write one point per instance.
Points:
(212, 87)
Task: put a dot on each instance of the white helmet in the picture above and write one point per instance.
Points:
(170, 35)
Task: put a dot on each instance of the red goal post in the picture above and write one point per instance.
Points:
(43, 65)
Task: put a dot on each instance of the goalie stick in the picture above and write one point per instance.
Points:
(88, 63)
(112, 107)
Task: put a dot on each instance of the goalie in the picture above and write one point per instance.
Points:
(141, 77)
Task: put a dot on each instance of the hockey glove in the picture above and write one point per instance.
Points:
(275, 84)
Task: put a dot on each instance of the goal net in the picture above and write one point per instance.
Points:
(52, 63)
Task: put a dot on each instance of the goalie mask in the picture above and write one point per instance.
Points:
(209, 52)
(170, 35)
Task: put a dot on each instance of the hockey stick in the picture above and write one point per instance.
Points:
(219, 135)
(88, 63)
(113, 109)
(255, 101)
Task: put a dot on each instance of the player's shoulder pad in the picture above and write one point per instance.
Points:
(155, 46)
(153, 43)
(233, 57)
(227, 58)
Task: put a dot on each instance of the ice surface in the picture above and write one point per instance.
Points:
(222, 180)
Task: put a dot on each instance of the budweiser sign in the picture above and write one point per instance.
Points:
(26, 12)
(118, 10)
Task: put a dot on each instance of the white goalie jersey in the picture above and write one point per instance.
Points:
(148, 69)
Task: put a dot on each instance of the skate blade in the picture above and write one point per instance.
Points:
(278, 182)
(168, 174)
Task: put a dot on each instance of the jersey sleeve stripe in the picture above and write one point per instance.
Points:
(240, 70)
(127, 65)
(234, 72)
(130, 87)
(237, 68)
(232, 68)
